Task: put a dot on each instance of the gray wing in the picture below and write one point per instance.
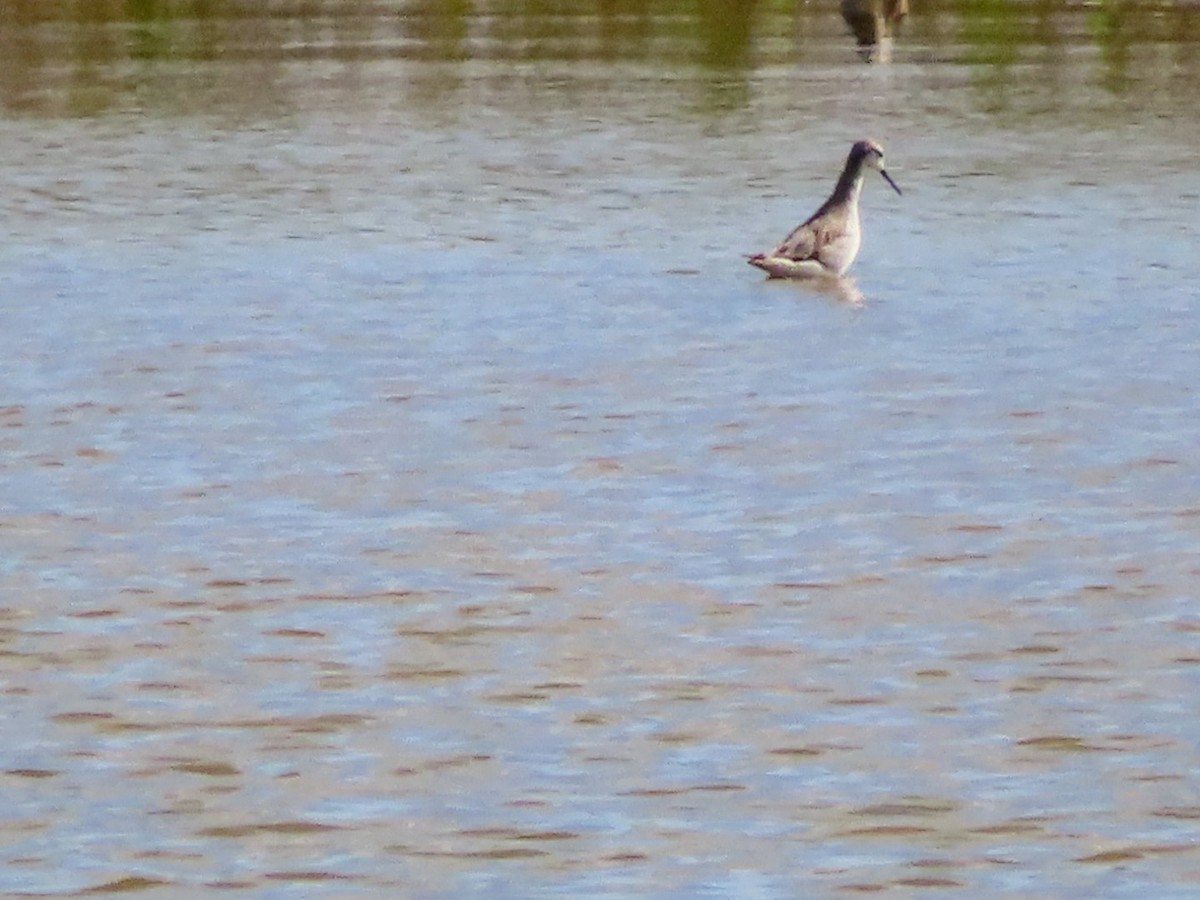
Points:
(800, 245)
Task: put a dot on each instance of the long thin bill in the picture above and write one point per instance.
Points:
(888, 179)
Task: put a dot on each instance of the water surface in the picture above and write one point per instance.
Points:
(407, 489)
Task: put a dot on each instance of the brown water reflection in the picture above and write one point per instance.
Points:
(63, 58)
(597, 747)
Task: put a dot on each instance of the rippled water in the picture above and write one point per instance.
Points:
(407, 489)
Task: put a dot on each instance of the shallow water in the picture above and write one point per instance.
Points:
(407, 489)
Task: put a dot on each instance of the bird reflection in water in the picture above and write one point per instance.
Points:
(873, 23)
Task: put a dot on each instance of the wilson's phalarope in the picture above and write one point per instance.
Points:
(827, 243)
